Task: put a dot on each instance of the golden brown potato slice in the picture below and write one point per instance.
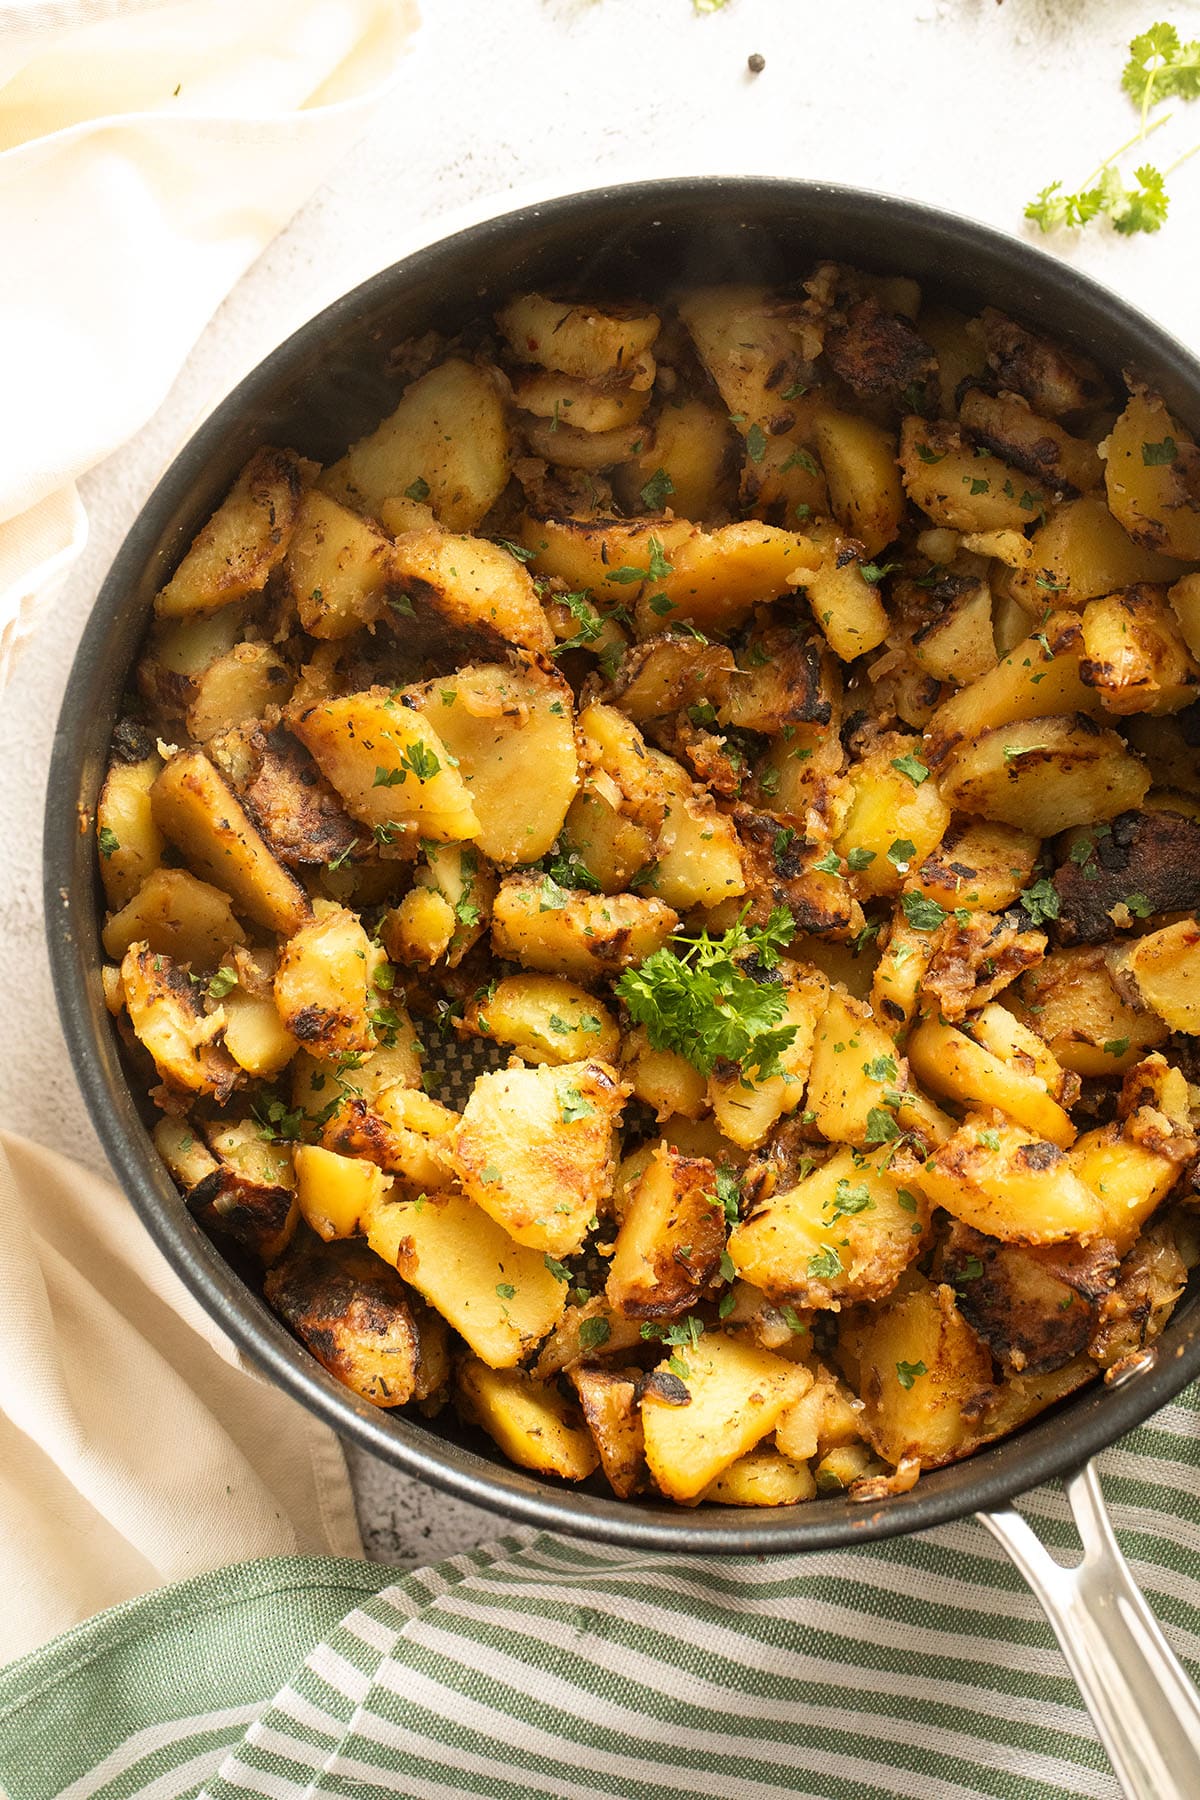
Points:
(958, 645)
(756, 347)
(323, 986)
(978, 865)
(237, 687)
(585, 341)
(894, 801)
(920, 1370)
(671, 1237)
(724, 1399)
(336, 1193)
(563, 931)
(1131, 1165)
(390, 765)
(859, 460)
(177, 916)
(844, 603)
(545, 1018)
(694, 448)
(600, 405)
(338, 568)
(957, 485)
(129, 843)
(529, 1419)
(608, 1399)
(827, 1417)
(698, 859)
(1135, 655)
(1008, 1185)
(663, 1079)
(611, 558)
(446, 443)
(1081, 552)
(1152, 476)
(401, 1129)
(1041, 676)
(856, 1087)
(762, 1478)
(165, 1011)
(1071, 1001)
(359, 1320)
(716, 579)
(478, 596)
(1162, 972)
(1045, 775)
(1008, 425)
(244, 540)
(951, 1063)
(510, 731)
(534, 1150)
(498, 1295)
(845, 1232)
(747, 1104)
(196, 808)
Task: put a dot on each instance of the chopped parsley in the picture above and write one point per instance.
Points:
(701, 1000)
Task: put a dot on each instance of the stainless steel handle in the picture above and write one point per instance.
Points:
(1145, 1709)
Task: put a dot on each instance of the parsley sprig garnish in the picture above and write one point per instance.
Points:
(1160, 67)
(707, 999)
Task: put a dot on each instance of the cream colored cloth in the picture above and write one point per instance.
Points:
(149, 150)
(135, 1446)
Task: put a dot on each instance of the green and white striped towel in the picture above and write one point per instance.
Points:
(542, 1666)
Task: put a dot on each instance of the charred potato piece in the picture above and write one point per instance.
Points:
(286, 797)
(249, 1198)
(608, 1400)
(1149, 857)
(465, 597)
(1161, 972)
(323, 985)
(360, 1321)
(1034, 1308)
(956, 485)
(1056, 381)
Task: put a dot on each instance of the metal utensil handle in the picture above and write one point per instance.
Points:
(1145, 1709)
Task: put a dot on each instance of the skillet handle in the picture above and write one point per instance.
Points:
(1145, 1710)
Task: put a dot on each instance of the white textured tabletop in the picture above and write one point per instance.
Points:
(969, 104)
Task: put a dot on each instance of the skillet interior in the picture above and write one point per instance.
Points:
(327, 385)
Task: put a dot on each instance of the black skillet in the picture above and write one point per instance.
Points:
(321, 389)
